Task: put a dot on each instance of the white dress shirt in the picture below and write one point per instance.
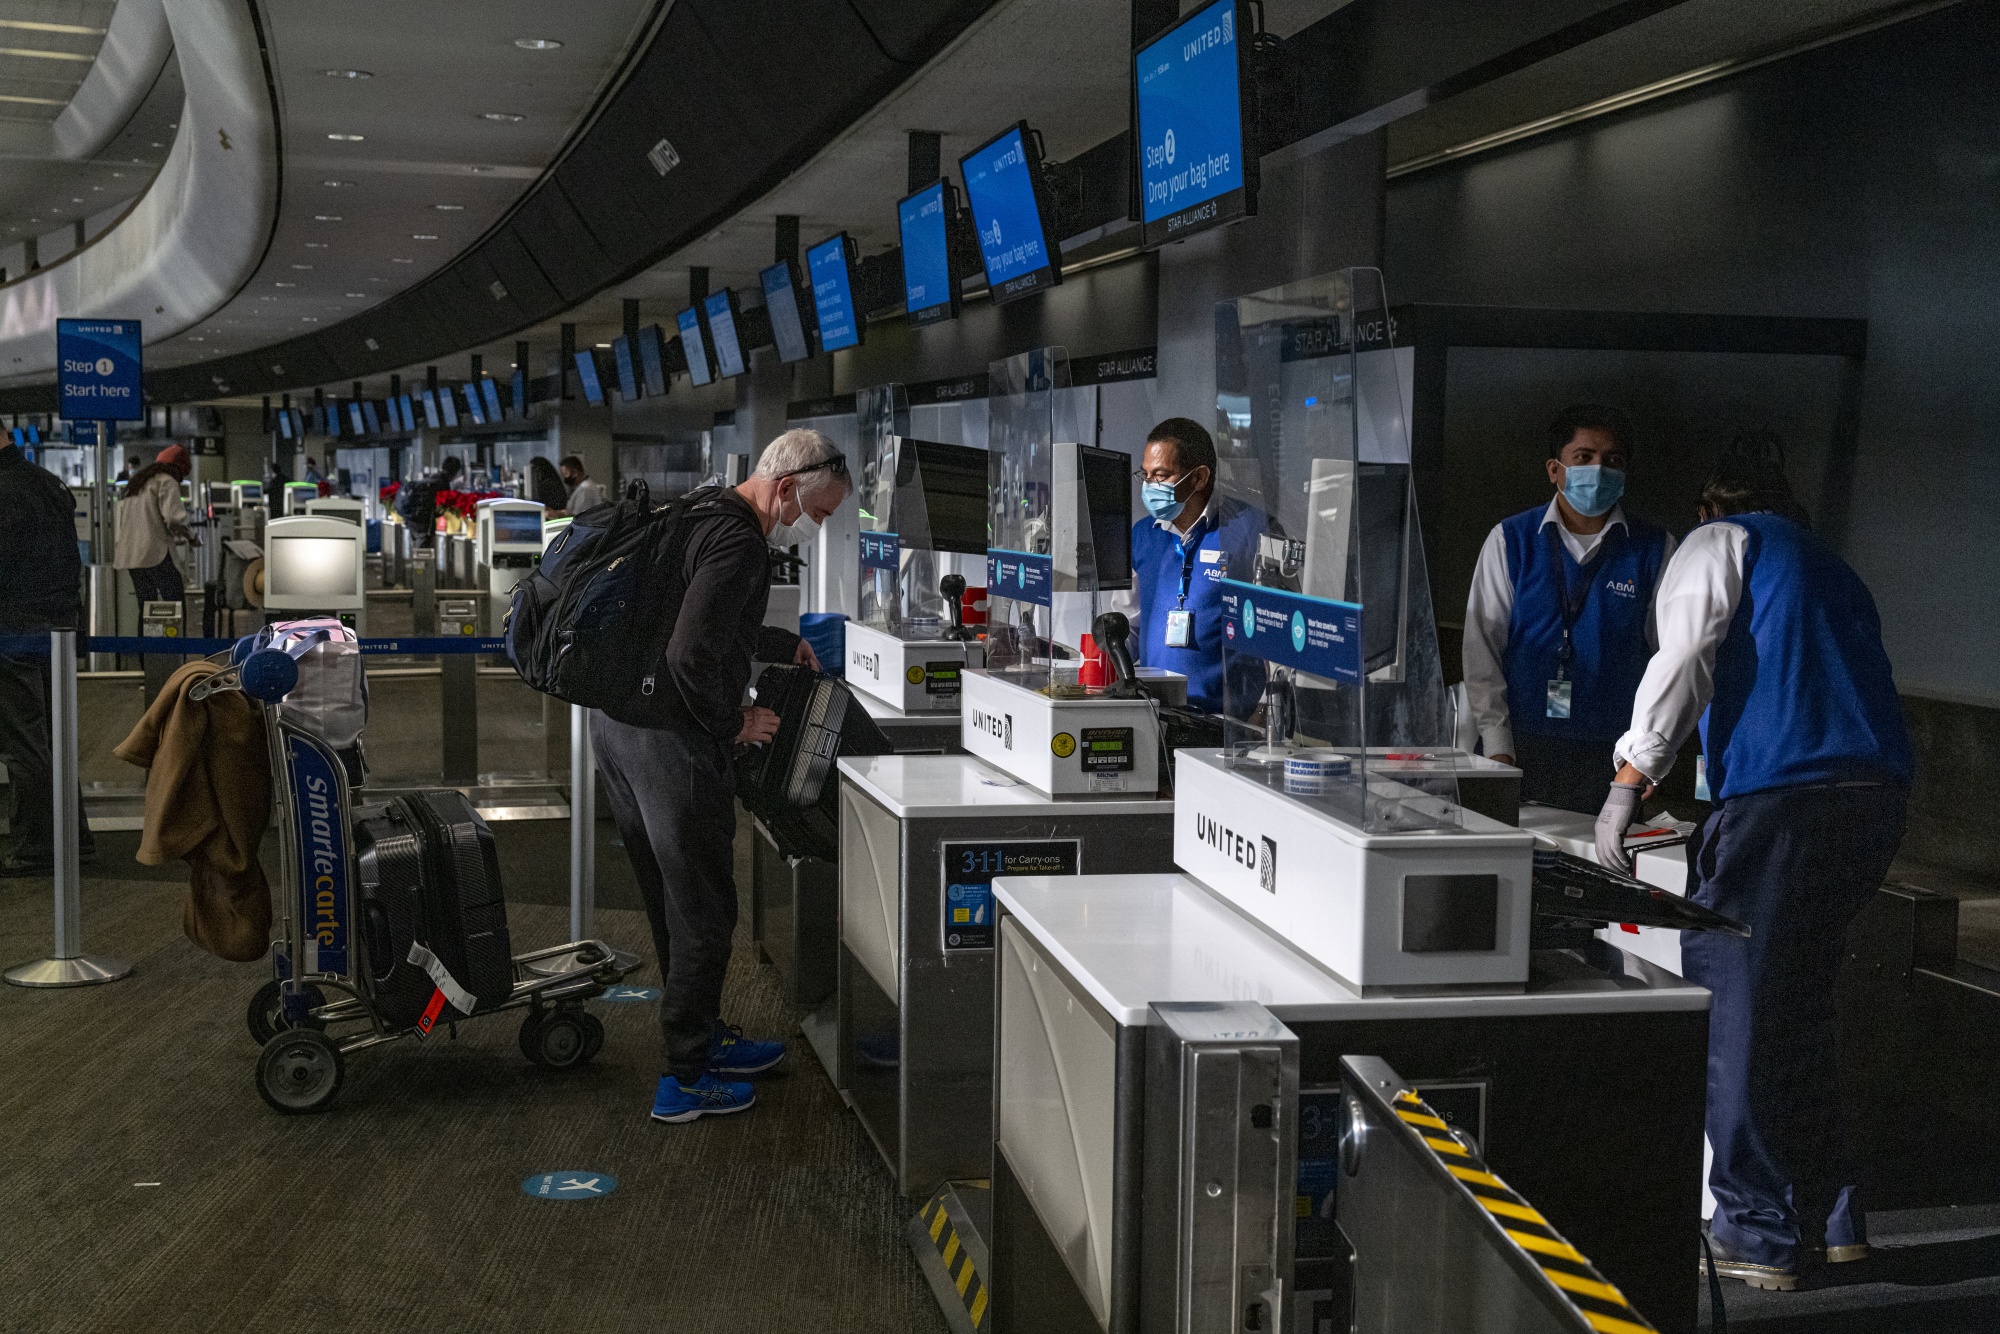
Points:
(584, 495)
(1697, 599)
(1489, 617)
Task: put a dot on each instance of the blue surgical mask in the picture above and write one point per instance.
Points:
(1160, 500)
(1592, 489)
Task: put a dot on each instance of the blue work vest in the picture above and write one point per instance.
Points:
(1803, 691)
(1225, 543)
(1608, 640)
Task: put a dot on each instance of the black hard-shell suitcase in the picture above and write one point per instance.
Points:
(429, 874)
(390, 858)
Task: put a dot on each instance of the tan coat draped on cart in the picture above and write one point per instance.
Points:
(208, 802)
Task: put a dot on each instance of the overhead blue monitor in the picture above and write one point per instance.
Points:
(652, 358)
(448, 404)
(586, 374)
(285, 425)
(828, 264)
(693, 346)
(354, 419)
(930, 288)
(781, 302)
(490, 393)
(519, 388)
(1197, 160)
(473, 407)
(1012, 211)
(409, 413)
(721, 310)
(628, 377)
(431, 418)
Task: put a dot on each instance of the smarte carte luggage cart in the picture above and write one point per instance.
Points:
(307, 1034)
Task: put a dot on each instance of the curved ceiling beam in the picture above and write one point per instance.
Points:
(198, 232)
(744, 92)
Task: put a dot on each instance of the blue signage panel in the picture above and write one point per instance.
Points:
(518, 387)
(1191, 156)
(448, 404)
(431, 418)
(98, 364)
(355, 423)
(628, 374)
(651, 339)
(490, 393)
(1020, 576)
(928, 290)
(371, 417)
(881, 551)
(321, 840)
(1315, 635)
(693, 346)
(833, 294)
(409, 413)
(722, 332)
(1000, 187)
(586, 373)
(969, 868)
(781, 300)
(82, 433)
(473, 407)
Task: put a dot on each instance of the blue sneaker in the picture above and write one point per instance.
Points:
(733, 1054)
(707, 1096)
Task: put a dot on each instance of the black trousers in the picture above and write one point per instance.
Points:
(1572, 775)
(24, 749)
(674, 800)
(1795, 865)
(159, 583)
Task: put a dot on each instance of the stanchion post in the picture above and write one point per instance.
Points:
(68, 967)
(582, 826)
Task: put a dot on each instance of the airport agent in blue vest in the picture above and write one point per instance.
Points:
(1190, 539)
(1558, 625)
(1773, 642)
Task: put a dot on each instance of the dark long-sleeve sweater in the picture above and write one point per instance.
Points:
(721, 624)
(37, 548)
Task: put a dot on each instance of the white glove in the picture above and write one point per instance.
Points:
(1621, 807)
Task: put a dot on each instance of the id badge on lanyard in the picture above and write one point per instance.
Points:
(1180, 621)
(1560, 686)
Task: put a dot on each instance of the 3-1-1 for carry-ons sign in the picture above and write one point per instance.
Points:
(969, 869)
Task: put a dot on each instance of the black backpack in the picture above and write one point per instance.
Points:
(592, 622)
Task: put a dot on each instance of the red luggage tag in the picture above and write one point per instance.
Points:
(428, 1019)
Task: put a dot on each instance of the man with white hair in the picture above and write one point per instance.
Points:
(672, 788)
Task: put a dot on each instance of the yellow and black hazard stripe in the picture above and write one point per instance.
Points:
(954, 1252)
(1601, 1305)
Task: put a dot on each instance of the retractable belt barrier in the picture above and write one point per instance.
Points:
(37, 646)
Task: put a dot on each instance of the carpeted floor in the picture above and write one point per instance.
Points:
(403, 1208)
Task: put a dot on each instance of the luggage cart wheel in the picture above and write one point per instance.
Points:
(556, 1039)
(266, 1014)
(593, 1033)
(300, 1071)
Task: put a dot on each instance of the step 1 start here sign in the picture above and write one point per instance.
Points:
(98, 368)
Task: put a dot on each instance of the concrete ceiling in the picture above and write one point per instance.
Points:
(46, 48)
(408, 131)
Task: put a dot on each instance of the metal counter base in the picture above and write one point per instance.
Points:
(915, 975)
(1585, 1092)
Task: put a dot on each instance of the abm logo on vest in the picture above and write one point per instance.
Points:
(98, 367)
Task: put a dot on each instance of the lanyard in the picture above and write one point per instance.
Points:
(1572, 608)
(1188, 554)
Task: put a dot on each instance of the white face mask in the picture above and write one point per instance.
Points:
(800, 532)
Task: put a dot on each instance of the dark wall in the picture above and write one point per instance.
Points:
(1859, 180)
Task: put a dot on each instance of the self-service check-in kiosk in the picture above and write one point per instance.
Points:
(294, 497)
(510, 542)
(314, 565)
(1328, 872)
(923, 836)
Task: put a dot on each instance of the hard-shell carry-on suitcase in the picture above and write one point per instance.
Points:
(430, 878)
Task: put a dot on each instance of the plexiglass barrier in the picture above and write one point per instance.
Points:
(1332, 684)
(881, 416)
(1020, 561)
